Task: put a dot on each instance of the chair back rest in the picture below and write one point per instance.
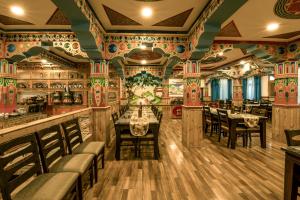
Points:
(259, 111)
(223, 117)
(290, 134)
(207, 113)
(72, 134)
(19, 161)
(51, 146)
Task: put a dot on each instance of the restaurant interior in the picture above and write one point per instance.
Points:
(149, 99)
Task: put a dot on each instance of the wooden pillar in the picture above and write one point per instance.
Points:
(237, 97)
(99, 89)
(192, 131)
(123, 92)
(286, 110)
(8, 86)
(206, 96)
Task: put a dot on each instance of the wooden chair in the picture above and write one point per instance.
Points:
(123, 136)
(76, 145)
(19, 162)
(54, 158)
(290, 134)
(152, 136)
(224, 127)
(252, 130)
(209, 120)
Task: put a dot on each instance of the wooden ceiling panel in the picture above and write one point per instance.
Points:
(177, 20)
(58, 18)
(285, 35)
(117, 18)
(12, 21)
(230, 30)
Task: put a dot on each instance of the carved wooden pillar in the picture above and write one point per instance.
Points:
(99, 102)
(237, 98)
(206, 96)
(8, 86)
(192, 131)
(286, 110)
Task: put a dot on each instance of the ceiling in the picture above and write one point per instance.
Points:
(39, 14)
(117, 15)
(250, 21)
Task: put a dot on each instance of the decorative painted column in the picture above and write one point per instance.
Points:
(237, 97)
(99, 102)
(206, 96)
(192, 120)
(165, 100)
(286, 110)
(8, 86)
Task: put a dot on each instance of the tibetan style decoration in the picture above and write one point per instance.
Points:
(99, 83)
(192, 89)
(286, 83)
(288, 9)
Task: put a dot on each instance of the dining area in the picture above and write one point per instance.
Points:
(137, 126)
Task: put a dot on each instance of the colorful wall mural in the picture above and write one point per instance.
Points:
(176, 87)
(144, 88)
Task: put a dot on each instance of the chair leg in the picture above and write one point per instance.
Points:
(250, 139)
(79, 186)
(229, 140)
(103, 155)
(91, 176)
(96, 168)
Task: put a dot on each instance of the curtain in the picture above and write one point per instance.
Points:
(229, 89)
(223, 89)
(244, 88)
(257, 88)
(215, 90)
(250, 88)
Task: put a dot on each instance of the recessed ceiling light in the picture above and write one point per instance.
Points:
(146, 12)
(44, 61)
(143, 47)
(221, 53)
(17, 10)
(144, 62)
(272, 26)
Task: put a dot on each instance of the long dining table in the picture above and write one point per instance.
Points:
(235, 119)
(123, 124)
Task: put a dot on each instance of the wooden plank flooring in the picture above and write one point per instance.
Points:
(209, 172)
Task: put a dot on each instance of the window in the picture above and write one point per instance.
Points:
(223, 89)
(250, 88)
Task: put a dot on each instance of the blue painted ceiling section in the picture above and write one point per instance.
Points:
(80, 26)
(213, 25)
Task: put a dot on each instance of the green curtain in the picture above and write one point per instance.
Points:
(244, 82)
(215, 90)
(257, 88)
(229, 89)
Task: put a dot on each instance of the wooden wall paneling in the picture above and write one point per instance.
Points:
(101, 122)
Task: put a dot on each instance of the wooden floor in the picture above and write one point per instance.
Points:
(210, 172)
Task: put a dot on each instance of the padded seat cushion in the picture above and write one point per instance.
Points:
(127, 136)
(50, 186)
(208, 121)
(73, 163)
(253, 129)
(240, 129)
(89, 148)
(224, 127)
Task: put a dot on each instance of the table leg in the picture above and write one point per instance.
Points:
(290, 189)
(232, 134)
(263, 140)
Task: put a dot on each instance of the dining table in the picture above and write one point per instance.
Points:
(292, 172)
(123, 124)
(235, 118)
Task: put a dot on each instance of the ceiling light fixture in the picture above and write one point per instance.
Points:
(44, 61)
(144, 62)
(272, 26)
(147, 12)
(143, 47)
(17, 10)
(221, 53)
